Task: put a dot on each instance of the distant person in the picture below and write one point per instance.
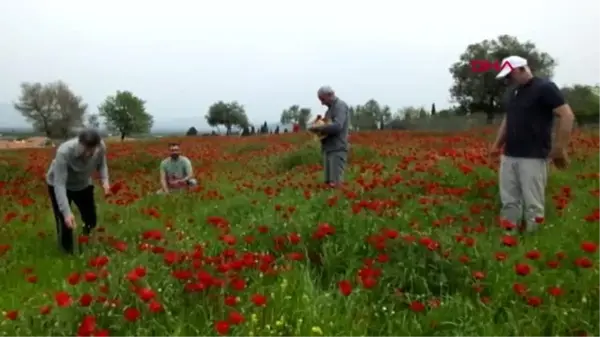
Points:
(334, 144)
(176, 171)
(526, 134)
(69, 179)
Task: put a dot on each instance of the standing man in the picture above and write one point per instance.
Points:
(69, 179)
(176, 171)
(335, 143)
(526, 134)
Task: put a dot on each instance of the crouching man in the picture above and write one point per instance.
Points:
(176, 171)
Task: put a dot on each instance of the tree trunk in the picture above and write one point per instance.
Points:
(47, 130)
(490, 111)
(122, 136)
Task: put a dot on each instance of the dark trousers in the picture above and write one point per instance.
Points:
(84, 200)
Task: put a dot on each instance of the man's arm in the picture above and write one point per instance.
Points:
(60, 171)
(553, 97)
(163, 178)
(339, 114)
(189, 172)
(501, 135)
(103, 168)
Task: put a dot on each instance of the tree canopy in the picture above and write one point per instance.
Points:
(191, 132)
(585, 101)
(228, 114)
(51, 108)
(126, 114)
(296, 115)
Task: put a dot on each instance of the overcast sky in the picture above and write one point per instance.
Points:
(181, 56)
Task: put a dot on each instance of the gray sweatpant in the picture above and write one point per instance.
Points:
(522, 189)
(334, 164)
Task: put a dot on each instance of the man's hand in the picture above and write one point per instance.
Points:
(494, 151)
(106, 188)
(70, 221)
(559, 157)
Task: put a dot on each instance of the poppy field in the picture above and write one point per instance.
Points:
(410, 245)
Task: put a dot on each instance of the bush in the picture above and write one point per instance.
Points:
(246, 148)
(192, 132)
(310, 154)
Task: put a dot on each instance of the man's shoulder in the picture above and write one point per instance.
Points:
(67, 147)
(542, 81)
(545, 85)
(185, 159)
(341, 103)
(165, 161)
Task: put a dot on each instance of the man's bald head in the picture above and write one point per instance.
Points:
(326, 95)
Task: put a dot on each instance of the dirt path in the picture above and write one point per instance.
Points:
(29, 143)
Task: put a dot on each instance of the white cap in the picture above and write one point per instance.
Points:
(514, 61)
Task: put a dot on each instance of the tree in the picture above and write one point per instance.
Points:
(296, 115)
(246, 131)
(126, 114)
(384, 116)
(93, 121)
(276, 130)
(51, 108)
(264, 129)
(353, 114)
(482, 92)
(369, 116)
(433, 112)
(192, 132)
(228, 114)
(402, 117)
(409, 112)
(584, 101)
(444, 113)
(359, 118)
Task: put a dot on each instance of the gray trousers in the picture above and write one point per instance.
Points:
(334, 164)
(522, 189)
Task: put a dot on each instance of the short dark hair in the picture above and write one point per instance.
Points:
(173, 144)
(89, 138)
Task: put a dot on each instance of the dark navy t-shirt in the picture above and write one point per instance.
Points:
(529, 118)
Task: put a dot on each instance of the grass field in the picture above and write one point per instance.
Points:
(411, 246)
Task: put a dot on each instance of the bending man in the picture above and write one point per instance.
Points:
(69, 180)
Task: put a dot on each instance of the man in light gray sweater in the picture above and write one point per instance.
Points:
(335, 145)
(69, 178)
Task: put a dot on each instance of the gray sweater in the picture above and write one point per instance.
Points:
(70, 171)
(337, 130)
